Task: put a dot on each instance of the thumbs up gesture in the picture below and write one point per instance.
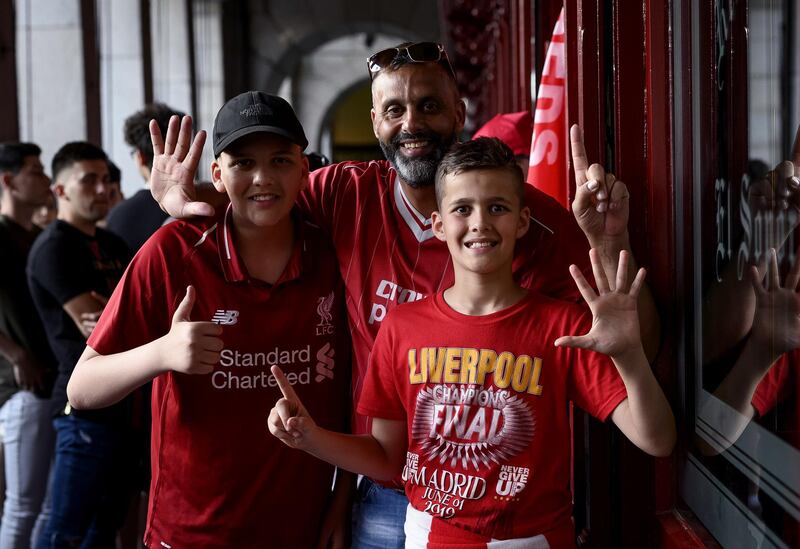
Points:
(289, 420)
(191, 347)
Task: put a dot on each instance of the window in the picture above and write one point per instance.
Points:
(736, 114)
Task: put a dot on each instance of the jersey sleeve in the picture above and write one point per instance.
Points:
(54, 268)
(553, 243)
(140, 308)
(595, 384)
(775, 386)
(380, 396)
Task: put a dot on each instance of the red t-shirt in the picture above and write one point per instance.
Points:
(388, 254)
(219, 479)
(485, 400)
(780, 390)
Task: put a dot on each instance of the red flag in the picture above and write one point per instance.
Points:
(548, 163)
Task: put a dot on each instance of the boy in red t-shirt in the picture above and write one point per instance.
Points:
(204, 309)
(468, 389)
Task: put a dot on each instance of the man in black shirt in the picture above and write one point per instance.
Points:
(139, 216)
(26, 363)
(72, 268)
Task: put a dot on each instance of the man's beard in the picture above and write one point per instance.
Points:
(417, 172)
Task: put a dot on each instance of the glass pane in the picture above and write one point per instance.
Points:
(746, 208)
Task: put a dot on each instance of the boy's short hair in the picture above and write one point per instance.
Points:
(137, 128)
(114, 173)
(484, 153)
(12, 155)
(73, 152)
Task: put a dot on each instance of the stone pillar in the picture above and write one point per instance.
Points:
(170, 46)
(209, 63)
(50, 80)
(122, 81)
(324, 76)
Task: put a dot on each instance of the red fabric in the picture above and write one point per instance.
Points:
(514, 129)
(218, 478)
(780, 391)
(489, 456)
(550, 142)
(388, 255)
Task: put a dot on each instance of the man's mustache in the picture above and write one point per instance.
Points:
(406, 136)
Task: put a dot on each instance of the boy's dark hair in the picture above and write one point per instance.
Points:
(137, 128)
(12, 155)
(73, 152)
(484, 153)
(114, 173)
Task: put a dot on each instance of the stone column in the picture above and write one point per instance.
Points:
(50, 80)
(122, 81)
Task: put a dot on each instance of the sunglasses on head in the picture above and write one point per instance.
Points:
(419, 52)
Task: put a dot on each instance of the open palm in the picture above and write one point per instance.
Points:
(175, 166)
(776, 323)
(615, 322)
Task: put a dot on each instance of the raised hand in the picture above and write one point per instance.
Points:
(289, 420)
(776, 323)
(778, 192)
(191, 347)
(615, 323)
(601, 204)
(175, 166)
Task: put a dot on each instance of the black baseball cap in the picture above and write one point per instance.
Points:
(256, 111)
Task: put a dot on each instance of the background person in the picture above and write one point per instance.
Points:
(27, 366)
(70, 265)
(136, 219)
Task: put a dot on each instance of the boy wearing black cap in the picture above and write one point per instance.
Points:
(204, 288)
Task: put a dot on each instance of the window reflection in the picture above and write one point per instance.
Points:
(746, 275)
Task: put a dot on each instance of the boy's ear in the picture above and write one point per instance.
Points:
(438, 226)
(524, 221)
(216, 176)
(304, 183)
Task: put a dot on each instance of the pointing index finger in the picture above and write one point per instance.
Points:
(284, 385)
(579, 162)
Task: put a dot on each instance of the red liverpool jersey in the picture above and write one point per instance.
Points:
(388, 254)
(219, 479)
(485, 403)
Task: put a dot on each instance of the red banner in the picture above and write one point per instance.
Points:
(548, 163)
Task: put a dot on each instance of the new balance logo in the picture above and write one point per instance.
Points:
(325, 363)
(226, 318)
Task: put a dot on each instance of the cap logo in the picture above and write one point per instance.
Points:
(255, 111)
